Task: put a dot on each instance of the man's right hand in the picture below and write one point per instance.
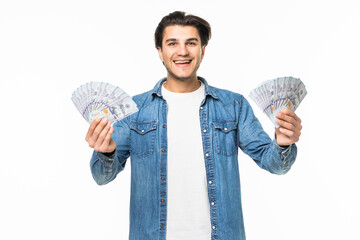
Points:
(99, 136)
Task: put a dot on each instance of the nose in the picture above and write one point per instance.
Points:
(183, 50)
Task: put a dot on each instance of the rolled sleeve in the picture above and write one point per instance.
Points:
(256, 143)
(108, 161)
(286, 155)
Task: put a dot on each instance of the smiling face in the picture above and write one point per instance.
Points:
(181, 52)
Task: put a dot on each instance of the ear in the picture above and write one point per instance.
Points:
(203, 51)
(160, 54)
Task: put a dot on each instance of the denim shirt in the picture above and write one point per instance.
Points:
(227, 124)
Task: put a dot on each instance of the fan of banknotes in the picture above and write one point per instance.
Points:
(100, 99)
(274, 95)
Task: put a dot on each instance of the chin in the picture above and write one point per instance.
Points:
(182, 77)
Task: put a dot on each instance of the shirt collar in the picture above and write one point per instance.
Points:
(208, 90)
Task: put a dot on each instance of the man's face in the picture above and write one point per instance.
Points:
(181, 52)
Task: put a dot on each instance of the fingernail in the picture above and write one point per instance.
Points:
(104, 120)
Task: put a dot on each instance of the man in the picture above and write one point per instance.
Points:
(183, 144)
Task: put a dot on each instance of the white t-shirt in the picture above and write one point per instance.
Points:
(188, 210)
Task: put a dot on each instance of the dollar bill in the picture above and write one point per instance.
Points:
(274, 95)
(103, 100)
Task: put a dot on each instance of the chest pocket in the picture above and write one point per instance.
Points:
(225, 137)
(142, 138)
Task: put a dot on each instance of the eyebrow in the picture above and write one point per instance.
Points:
(174, 40)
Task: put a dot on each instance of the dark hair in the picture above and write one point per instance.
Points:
(180, 18)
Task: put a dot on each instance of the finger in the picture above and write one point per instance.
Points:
(296, 118)
(91, 129)
(296, 123)
(97, 131)
(288, 116)
(288, 111)
(102, 134)
(291, 130)
(285, 120)
(291, 113)
(106, 145)
(108, 135)
(293, 136)
(289, 122)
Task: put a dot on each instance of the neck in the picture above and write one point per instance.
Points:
(182, 86)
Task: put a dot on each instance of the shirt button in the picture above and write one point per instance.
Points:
(204, 130)
(210, 182)
(212, 203)
(161, 226)
(225, 129)
(162, 200)
(201, 108)
(163, 103)
(142, 131)
(163, 126)
(163, 150)
(213, 227)
(163, 178)
(207, 154)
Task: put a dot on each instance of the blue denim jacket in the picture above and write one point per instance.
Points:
(227, 124)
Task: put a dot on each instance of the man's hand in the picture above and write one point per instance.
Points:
(290, 127)
(99, 136)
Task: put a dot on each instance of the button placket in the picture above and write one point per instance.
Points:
(209, 164)
(163, 167)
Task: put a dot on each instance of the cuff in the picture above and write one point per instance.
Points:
(283, 151)
(106, 159)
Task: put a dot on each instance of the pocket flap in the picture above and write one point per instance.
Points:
(225, 126)
(143, 127)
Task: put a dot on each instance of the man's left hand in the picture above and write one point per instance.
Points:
(290, 127)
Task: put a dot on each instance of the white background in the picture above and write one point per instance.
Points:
(49, 48)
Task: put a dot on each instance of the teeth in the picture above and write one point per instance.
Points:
(182, 61)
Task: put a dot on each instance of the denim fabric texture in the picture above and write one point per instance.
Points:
(227, 124)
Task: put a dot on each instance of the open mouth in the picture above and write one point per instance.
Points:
(182, 61)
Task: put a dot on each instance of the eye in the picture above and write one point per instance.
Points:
(191, 43)
(172, 44)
